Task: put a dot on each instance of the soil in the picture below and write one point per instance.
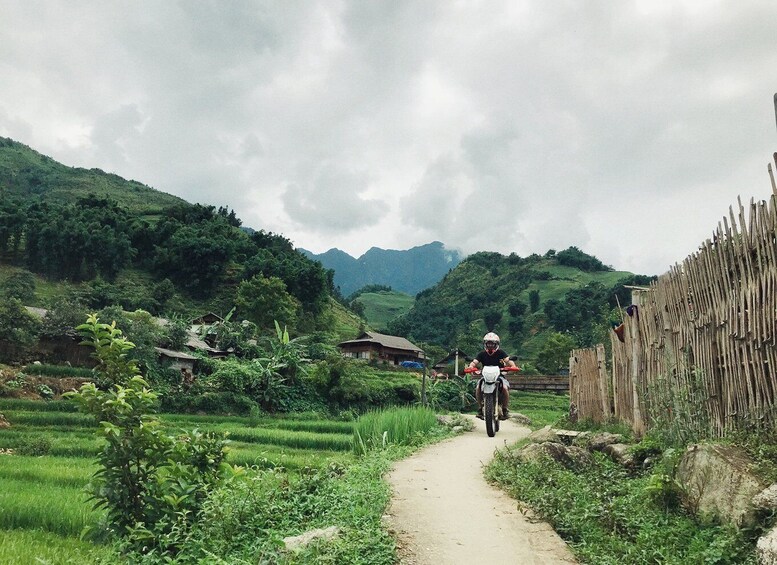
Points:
(444, 511)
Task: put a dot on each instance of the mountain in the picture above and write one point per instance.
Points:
(409, 271)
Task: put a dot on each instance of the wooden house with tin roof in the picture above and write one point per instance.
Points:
(380, 347)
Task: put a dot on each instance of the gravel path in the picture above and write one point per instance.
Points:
(443, 512)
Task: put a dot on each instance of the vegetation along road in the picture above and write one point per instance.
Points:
(444, 511)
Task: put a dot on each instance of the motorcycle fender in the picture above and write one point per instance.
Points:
(488, 388)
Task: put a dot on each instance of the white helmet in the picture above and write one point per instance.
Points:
(490, 342)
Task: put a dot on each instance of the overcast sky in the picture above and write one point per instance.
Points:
(624, 128)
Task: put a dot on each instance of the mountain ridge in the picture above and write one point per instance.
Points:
(409, 271)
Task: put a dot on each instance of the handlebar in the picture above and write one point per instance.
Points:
(501, 369)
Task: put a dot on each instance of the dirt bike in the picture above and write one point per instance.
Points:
(491, 386)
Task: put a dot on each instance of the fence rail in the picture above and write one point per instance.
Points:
(701, 341)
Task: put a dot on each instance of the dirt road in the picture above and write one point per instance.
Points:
(444, 512)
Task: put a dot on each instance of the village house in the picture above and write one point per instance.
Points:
(380, 347)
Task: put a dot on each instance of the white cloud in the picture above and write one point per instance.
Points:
(358, 124)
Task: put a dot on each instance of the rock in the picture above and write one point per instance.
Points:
(520, 419)
(294, 543)
(597, 442)
(716, 480)
(620, 453)
(4, 423)
(544, 435)
(570, 457)
(766, 548)
(457, 429)
(444, 420)
(766, 499)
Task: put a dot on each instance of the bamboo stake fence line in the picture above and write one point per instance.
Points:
(702, 340)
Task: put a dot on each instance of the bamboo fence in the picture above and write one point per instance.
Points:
(700, 342)
(588, 390)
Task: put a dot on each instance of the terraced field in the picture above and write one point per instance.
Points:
(48, 457)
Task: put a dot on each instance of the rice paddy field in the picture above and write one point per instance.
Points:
(48, 455)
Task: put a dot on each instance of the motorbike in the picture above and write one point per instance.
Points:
(491, 386)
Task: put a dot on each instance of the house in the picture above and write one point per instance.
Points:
(452, 364)
(177, 360)
(388, 348)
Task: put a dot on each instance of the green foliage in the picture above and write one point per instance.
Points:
(554, 355)
(18, 329)
(455, 394)
(264, 300)
(150, 484)
(573, 257)
(19, 285)
(63, 317)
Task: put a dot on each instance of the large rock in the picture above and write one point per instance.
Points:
(294, 543)
(569, 456)
(3, 422)
(766, 548)
(544, 435)
(716, 480)
(597, 442)
(766, 499)
(620, 453)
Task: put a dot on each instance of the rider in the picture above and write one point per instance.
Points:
(493, 356)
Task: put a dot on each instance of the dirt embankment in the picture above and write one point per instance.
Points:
(444, 511)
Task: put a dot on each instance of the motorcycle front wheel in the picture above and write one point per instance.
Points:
(488, 412)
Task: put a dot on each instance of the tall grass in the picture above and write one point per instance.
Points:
(38, 418)
(37, 547)
(272, 457)
(304, 440)
(399, 426)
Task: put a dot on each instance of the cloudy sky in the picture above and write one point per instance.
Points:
(624, 128)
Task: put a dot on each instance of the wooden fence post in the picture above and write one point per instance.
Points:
(638, 424)
(603, 388)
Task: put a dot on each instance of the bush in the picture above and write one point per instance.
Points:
(222, 402)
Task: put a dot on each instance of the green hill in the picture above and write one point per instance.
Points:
(102, 240)
(380, 308)
(25, 173)
(525, 300)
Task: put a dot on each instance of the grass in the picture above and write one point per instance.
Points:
(43, 506)
(608, 516)
(35, 547)
(393, 426)
(382, 307)
(542, 408)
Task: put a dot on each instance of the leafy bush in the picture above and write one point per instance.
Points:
(151, 485)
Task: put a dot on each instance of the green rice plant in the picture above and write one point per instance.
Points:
(304, 440)
(33, 505)
(37, 405)
(59, 471)
(397, 426)
(37, 418)
(273, 457)
(58, 371)
(543, 408)
(35, 546)
(68, 445)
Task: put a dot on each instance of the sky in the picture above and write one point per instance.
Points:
(624, 128)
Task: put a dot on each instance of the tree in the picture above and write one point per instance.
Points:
(21, 285)
(554, 354)
(263, 300)
(534, 300)
(18, 328)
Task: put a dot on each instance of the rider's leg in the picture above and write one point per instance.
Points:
(479, 398)
(504, 401)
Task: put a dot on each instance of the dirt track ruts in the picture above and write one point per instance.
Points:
(443, 512)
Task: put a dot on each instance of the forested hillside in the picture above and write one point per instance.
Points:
(541, 306)
(98, 240)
